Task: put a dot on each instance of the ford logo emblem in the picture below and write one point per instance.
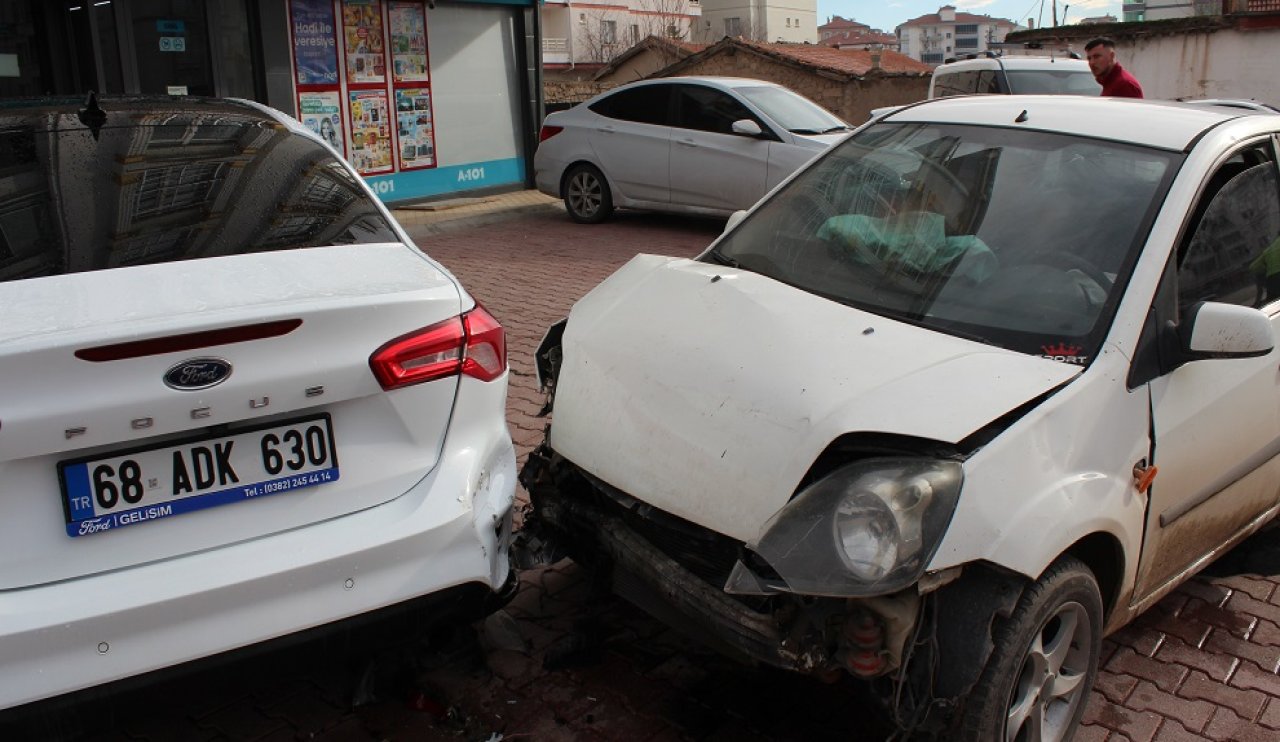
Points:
(197, 373)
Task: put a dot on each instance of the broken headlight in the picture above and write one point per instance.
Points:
(867, 528)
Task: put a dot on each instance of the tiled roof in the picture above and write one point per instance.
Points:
(853, 38)
(934, 19)
(847, 62)
(675, 47)
(838, 23)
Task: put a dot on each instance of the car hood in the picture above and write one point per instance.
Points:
(708, 391)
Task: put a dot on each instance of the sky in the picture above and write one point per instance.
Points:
(887, 14)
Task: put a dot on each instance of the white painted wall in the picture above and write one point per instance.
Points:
(1223, 64)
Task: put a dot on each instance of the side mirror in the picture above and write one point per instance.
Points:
(747, 128)
(734, 220)
(1214, 330)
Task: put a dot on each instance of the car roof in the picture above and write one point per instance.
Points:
(1013, 63)
(1163, 124)
(719, 82)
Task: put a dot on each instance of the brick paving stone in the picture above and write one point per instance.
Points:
(1210, 592)
(1092, 733)
(1255, 587)
(1216, 665)
(1167, 677)
(1230, 646)
(1245, 703)
(1116, 687)
(1194, 715)
(1138, 726)
(1267, 633)
(1249, 675)
(305, 711)
(1172, 731)
(1221, 619)
(1271, 715)
(1228, 727)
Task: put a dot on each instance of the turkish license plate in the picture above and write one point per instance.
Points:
(124, 489)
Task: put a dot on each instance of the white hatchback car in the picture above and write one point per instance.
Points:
(237, 401)
(694, 145)
(970, 391)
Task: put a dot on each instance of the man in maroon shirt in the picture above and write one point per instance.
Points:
(1114, 79)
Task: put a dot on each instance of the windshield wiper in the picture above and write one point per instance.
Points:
(834, 129)
(723, 259)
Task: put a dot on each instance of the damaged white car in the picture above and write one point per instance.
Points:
(963, 396)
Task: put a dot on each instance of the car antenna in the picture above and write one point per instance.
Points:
(1021, 117)
(92, 115)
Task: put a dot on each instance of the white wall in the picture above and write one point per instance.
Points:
(1223, 64)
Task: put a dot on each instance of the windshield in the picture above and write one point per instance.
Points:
(1019, 239)
(1053, 82)
(792, 112)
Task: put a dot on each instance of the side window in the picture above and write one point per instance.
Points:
(646, 104)
(986, 82)
(707, 109)
(955, 83)
(1232, 252)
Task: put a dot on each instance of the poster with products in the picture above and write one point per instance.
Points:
(321, 112)
(415, 129)
(370, 131)
(408, 28)
(315, 49)
(363, 41)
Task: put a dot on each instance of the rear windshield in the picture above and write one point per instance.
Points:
(1053, 82)
(169, 184)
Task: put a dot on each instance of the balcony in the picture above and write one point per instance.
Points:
(555, 51)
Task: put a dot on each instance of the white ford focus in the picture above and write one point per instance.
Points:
(236, 401)
(970, 391)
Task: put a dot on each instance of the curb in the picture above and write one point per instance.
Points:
(444, 225)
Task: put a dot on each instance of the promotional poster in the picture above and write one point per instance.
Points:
(363, 41)
(370, 131)
(322, 113)
(314, 46)
(414, 128)
(408, 42)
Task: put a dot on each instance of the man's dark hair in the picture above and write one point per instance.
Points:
(1106, 41)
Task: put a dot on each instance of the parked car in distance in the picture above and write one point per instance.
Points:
(997, 74)
(238, 402)
(692, 145)
(972, 390)
(1014, 75)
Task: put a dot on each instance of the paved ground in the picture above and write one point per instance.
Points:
(563, 662)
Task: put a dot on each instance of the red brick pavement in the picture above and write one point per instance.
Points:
(563, 662)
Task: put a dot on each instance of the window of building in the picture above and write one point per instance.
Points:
(788, 23)
(608, 32)
(966, 29)
(635, 33)
(970, 43)
(732, 26)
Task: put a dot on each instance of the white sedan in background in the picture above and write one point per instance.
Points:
(695, 145)
(237, 401)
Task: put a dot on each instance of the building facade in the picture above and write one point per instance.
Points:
(424, 98)
(582, 37)
(937, 37)
(788, 21)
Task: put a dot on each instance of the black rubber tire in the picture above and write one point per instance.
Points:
(586, 193)
(1067, 593)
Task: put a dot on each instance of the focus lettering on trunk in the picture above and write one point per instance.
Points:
(197, 373)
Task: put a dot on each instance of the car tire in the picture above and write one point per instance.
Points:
(587, 197)
(1044, 663)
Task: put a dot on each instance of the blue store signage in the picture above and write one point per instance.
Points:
(416, 184)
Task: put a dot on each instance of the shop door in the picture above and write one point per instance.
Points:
(171, 41)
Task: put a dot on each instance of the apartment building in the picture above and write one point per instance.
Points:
(937, 37)
(788, 21)
(590, 34)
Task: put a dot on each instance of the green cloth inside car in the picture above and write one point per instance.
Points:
(915, 239)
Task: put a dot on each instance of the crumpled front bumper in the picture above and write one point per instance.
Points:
(592, 522)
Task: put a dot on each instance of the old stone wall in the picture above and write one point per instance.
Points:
(851, 101)
(558, 95)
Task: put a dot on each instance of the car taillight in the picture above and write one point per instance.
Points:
(473, 344)
(546, 132)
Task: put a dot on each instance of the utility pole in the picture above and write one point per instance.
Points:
(1055, 13)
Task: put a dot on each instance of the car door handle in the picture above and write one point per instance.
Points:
(606, 129)
(687, 142)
